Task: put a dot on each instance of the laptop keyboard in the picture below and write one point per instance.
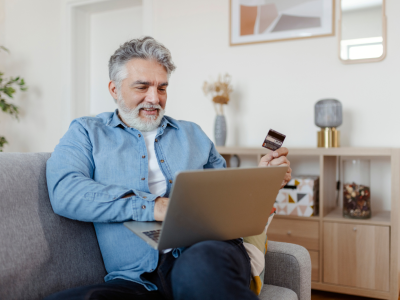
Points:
(153, 234)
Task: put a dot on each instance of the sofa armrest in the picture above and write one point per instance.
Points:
(289, 266)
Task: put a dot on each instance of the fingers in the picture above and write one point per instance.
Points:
(287, 178)
(279, 161)
(283, 151)
(266, 159)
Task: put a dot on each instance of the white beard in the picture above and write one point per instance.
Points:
(132, 119)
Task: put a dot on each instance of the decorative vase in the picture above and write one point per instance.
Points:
(356, 189)
(220, 130)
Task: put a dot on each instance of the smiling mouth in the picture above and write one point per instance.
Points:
(150, 111)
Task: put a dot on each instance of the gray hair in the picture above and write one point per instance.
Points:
(145, 48)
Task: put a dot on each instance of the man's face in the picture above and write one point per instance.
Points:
(145, 85)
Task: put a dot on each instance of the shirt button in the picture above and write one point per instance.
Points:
(139, 135)
(143, 178)
(170, 181)
(156, 140)
(144, 197)
(143, 206)
(143, 156)
(162, 160)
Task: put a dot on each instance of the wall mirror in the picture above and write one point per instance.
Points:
(362, 31)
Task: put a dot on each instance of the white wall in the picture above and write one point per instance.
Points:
(276, 84)
(108, 30)
(32, 32)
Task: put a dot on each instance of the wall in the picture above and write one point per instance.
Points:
(108, 30)
(32, 32)
(276, 84)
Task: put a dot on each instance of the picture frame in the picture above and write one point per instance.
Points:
(263, 21)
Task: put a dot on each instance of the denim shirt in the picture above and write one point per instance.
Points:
(99, 160)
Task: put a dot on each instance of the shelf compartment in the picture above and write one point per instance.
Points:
(380, 218)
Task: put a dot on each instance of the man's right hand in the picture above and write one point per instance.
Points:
(160, 208)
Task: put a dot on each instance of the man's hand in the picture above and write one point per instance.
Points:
(160, 208)
(278, 158)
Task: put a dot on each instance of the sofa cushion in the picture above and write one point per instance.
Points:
(40, 252)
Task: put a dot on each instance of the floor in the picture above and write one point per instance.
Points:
(320, 295)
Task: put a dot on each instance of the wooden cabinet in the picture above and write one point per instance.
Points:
(304, 233)
(356, 255)
(314, 255)
(300, 232)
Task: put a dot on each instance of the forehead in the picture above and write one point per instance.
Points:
(139, 68)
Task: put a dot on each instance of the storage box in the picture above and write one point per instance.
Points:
(300, 197)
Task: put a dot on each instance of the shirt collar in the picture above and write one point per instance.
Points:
(115, 121)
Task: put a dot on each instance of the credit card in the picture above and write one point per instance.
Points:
(273, 140)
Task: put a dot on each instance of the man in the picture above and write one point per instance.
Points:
(120, 166)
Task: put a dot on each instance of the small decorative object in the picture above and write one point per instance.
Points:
(328, 116)
(234, 161)
(356, 189)
(300, 197)
(8, 87)
(219, 91)
(257, 21)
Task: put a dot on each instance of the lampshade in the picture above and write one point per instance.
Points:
(328, 113)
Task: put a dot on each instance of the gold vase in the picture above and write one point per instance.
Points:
(328, 137)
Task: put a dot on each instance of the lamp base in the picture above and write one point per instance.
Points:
(328, 137)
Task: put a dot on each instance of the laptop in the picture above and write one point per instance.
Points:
(214, 204)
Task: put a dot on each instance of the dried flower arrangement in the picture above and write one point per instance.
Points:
(219, 90)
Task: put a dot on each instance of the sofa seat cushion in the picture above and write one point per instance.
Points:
(272, 292)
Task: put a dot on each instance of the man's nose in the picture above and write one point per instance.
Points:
(152, 95)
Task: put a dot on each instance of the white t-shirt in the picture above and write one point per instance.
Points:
(157, 183)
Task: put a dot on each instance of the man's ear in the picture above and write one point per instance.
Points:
(112, 88)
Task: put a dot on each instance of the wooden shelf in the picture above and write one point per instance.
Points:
(345, 151)
(313, 218)
(381, 218)
(324, 162)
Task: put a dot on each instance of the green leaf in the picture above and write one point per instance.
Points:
(9, 91)
(2, 142)
(5, 49)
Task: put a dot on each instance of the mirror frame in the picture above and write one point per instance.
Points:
(384, 37)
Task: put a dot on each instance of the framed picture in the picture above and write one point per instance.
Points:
(259, 21)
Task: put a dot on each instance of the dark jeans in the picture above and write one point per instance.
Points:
(207, 270)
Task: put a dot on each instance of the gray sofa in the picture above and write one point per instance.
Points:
(42, 253)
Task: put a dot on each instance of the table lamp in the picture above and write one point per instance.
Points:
(328, 116)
